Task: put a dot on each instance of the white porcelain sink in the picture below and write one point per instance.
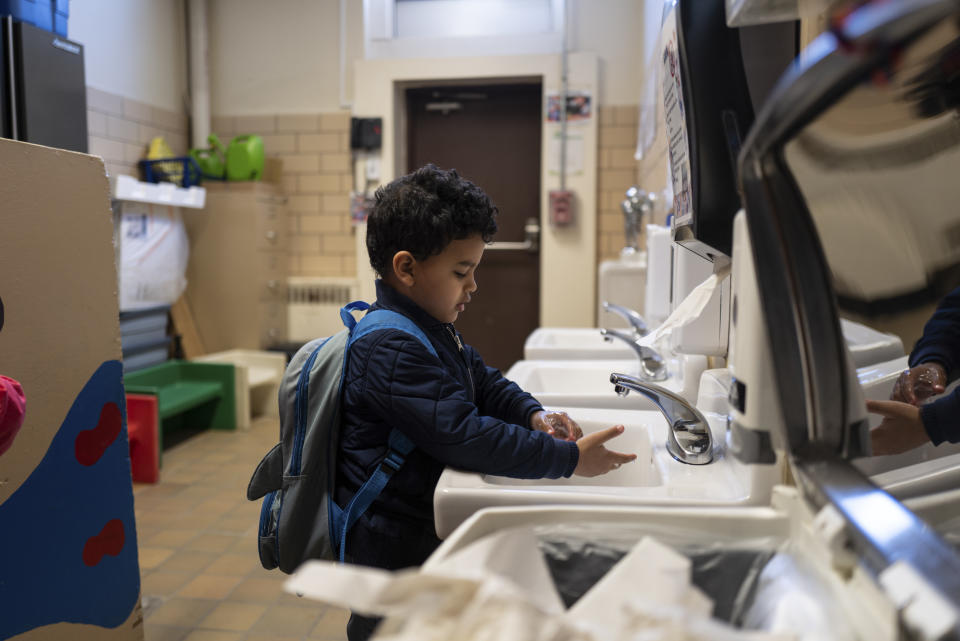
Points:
(868, 346)
(636, 440)
(585, 383)
(655, 478)
(920, 471)
(573, 343)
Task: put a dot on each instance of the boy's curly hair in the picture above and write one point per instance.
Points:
(423, 212)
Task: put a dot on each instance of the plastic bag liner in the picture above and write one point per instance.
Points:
(154, 250)
(725, 569)
(790, 596)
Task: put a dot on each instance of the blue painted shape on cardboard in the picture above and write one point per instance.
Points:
(49, 519)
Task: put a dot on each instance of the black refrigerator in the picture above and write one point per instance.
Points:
(43, 96)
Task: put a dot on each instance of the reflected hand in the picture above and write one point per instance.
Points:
(919, 383)
(595, 459)
(901, 429)
(556, 424)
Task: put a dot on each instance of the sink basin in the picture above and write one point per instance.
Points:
(573, 343)
(922, 470)
(868, 346)
(636, 440)
(655, 478)
(585, 383)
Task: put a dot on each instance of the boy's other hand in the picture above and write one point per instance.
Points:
(901, 429)
(919, 383)
(595, 459)
(556, 424)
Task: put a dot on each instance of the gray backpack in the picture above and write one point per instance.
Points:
(299, 519)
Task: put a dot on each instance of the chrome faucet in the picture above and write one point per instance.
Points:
(688, 437)
(634, 318)
(652, 365)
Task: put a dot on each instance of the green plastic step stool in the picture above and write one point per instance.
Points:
(189, 394)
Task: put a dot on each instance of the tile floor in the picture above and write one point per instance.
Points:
(201, 578)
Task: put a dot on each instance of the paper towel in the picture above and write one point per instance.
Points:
(499, 589)
(687, 311)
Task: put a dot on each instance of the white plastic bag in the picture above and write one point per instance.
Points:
(153, 255)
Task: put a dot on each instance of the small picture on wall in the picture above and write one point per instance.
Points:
(579, 106)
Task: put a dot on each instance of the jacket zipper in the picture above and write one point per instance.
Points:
(456, 339)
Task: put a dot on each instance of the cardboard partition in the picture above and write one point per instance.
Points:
(68, 545)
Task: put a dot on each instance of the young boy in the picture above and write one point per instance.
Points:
(425, 237)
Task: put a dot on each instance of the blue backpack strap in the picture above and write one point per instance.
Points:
(348, 320)
(387, 319)
(398, 445)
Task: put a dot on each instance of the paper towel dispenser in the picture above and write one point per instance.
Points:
(714, 78)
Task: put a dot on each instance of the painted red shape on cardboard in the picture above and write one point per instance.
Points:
(109, 541)
(12, 409)
(91, 444)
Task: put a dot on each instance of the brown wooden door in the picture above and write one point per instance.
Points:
(491, 136)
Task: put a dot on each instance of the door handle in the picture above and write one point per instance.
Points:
(531, 239)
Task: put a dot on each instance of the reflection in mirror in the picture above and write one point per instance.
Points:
(880, 172)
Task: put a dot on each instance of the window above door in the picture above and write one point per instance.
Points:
(443, 28)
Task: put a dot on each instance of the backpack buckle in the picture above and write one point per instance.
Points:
(393, 460)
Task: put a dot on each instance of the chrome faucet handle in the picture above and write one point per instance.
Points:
(634, 318)
(652, 365)
(688, 438)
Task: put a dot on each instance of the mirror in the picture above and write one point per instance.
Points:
(851, 178)
(880, 173)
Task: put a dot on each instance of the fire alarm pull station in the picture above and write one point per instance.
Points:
(561, 207)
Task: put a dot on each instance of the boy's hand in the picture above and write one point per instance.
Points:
(919, 383)
(901, 429)
(556, 424)
(595, 459)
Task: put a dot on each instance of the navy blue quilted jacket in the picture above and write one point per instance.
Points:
(457, 411)
(940, 343)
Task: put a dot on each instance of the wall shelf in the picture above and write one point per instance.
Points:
(131, 189)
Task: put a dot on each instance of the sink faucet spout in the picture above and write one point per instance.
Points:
(633, 317)
(688, 435)
(652, 365)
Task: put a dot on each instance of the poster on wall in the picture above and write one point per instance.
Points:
(574, 155)
(579, 106)
(675, 117)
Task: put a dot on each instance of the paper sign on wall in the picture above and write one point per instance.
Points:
(579, 106)
(575, 153)
(675, 116)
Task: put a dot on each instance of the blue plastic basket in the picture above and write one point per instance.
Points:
(182, 171)
(51, 15)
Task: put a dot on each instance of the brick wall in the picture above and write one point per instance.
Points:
(617, 172)
(317, 178)
(317, 172)
(314, 148)
(120, 129)
(652, 170)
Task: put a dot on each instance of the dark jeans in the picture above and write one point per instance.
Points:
(361, 628)
(389, 552)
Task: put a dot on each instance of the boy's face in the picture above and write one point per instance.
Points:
(442, 283)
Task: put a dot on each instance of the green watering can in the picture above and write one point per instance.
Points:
(245, 158)
(211, 161)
